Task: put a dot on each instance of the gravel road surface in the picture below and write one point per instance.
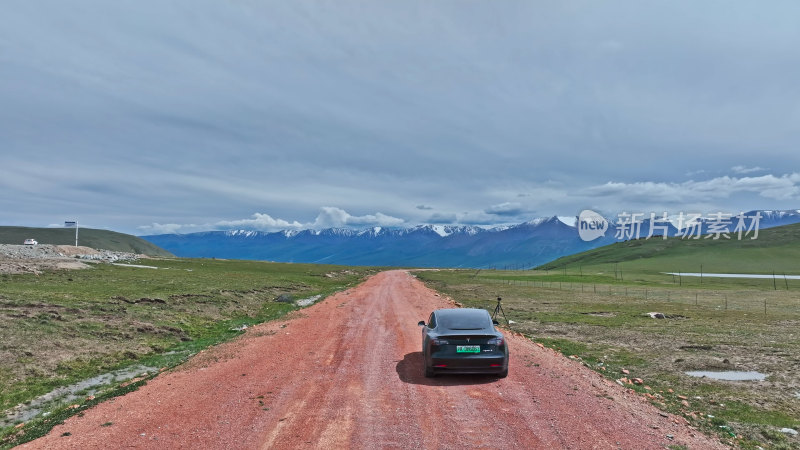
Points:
(347, 373)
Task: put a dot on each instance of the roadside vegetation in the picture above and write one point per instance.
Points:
(61, 327)
(596, 311)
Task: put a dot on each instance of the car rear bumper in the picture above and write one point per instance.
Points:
(472, 364)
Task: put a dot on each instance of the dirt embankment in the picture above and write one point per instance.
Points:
(347, 373)
(38, 258)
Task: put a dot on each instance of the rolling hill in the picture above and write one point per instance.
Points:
(100, 239)
(776, 249)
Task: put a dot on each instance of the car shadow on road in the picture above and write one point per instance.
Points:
(410, 371)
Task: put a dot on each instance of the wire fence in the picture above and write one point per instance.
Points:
(762, 301)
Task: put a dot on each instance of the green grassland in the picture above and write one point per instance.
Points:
(64, 326)
(100, 239)
(775, 249)
(594, 306)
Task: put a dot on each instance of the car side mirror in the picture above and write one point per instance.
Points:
(495, 322)
(421, 323)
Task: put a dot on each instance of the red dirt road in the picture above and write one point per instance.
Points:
(347, 373)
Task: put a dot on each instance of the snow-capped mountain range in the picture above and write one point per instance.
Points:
(524, 245)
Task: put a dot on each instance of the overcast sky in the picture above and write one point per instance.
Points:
(152, 116)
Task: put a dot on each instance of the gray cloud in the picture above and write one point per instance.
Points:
(183, 112)
(611, 197)
(506, 209)
(328, 217)
(337, 217)
(784, 187)
(744, 170)
(444, 218)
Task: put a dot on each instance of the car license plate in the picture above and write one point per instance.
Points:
(468, 349)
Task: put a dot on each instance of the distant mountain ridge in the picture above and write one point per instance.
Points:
(523, 245)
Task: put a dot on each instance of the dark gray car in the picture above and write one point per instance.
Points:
(463, 340)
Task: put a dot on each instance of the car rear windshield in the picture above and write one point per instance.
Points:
(464, 319)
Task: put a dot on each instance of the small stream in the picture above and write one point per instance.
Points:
(74, 393)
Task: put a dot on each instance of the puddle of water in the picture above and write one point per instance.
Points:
(308, 301)
(730, 375)
(734, 275)
(69, 394)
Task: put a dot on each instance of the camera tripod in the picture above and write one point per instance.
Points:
(499, 309)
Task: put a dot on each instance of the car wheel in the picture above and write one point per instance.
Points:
(429, 373)
(503, 374)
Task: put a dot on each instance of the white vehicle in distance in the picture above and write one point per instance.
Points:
(30, 242)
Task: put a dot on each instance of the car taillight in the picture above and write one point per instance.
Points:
(439, 342)
(496, 341)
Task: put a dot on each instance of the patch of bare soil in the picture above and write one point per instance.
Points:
(15, 259)
(37, 266)
(347, 373)
(71, 250)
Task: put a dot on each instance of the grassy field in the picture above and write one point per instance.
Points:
(101, 239)
(776, 249)
(61, 327)
(595, 308)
